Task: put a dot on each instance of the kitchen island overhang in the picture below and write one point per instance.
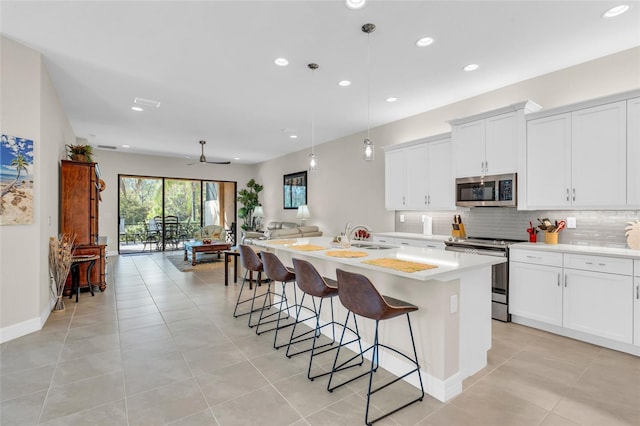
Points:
(452, 327)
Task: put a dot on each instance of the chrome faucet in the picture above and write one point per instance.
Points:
(349, 229)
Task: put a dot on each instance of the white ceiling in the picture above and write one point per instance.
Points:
(210, 64)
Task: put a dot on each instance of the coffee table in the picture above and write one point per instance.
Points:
(199, 247)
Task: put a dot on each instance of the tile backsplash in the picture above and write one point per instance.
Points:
(594, 227)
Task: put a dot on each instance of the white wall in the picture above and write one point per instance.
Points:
(30, 108)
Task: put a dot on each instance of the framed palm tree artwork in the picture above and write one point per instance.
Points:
(16, 180)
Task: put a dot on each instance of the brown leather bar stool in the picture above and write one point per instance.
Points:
(315, 285)
(251, 263)
(276, 271)
(360, 297)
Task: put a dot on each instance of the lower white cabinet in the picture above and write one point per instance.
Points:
(536, 292)
(594, 295)
(599, 304)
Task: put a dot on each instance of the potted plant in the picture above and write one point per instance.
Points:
(249, 199)
(80, 153)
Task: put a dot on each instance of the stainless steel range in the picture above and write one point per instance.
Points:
(500, 273)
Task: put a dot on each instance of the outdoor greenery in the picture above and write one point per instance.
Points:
(249, 199)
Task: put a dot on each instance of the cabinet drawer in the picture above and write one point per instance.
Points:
(536, 257)
(420, 243)
(611, 265)
(384, 240)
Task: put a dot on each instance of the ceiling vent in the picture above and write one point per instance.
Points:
(107, 147)
(146, 102)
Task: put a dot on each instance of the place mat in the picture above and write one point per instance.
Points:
(346, 253)
(308, 247)
(400, 265)
(281, 241)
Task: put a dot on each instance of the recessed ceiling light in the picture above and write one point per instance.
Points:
(146, 102)
(137, 108)
(126, 146)
(293, 136)
(236, 158)
(424, 41)
(615, 11)
(471, 67)
(355, 4)
(281, 62)
(391, 99)
(344, 83)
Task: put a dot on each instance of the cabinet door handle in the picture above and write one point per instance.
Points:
(403, 200)
(567, 194)
(559, 279)
(532, 257)
(574, 194)
(565, 280)
(602, 264)
(429, 198)
(486, 166)
(588, 263)
(638, 292)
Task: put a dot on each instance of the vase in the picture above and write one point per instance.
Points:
(80, 157)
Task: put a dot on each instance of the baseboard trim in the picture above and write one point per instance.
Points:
(25, 327)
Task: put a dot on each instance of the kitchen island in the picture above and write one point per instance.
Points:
(452, 327)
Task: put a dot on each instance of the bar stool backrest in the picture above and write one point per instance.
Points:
(249, 259)
(358, 295)
(274, 267)
(309, 279)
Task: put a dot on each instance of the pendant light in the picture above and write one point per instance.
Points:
(313, 159)
(368, 149)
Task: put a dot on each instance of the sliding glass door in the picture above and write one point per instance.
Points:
(162, 213)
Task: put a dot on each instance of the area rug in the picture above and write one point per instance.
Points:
(209, 263)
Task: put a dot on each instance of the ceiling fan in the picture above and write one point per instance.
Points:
(203, 159)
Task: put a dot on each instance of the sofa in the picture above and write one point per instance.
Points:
(279, 230)
(212, 232)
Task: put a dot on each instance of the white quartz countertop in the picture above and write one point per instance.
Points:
(413, 236)
(448, 263)
(579, 249)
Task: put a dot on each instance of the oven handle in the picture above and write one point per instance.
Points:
(493, 253)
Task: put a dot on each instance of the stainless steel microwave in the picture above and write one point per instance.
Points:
(487, 191)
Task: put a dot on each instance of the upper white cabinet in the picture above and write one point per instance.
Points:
(583, 156)
(418, 175)
(633, 152)
(489, 143)
(395, 178)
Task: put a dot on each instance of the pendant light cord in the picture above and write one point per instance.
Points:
(368, 85)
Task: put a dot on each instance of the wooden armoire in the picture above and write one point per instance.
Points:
(79, 205)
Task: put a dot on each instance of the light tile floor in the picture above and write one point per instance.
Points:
(161, 347)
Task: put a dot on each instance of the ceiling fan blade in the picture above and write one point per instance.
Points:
(203, 159)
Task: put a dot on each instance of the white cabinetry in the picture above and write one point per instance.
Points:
(395, 176)
(418, 175)
(489, 143)
(577, 158)
(535, 289)
(588, 297)
(633, 152)
(598, 296)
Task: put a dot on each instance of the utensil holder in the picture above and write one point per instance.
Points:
(533, 238)
(551, 237)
